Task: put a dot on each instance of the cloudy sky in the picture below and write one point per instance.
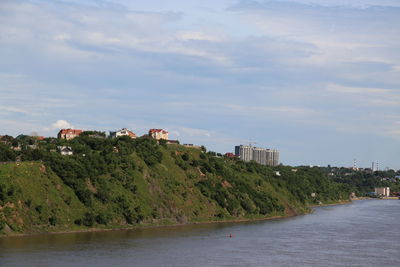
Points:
(317, 79)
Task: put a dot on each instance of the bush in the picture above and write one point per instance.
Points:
(53, 220)
(88, 219)
(102, 218)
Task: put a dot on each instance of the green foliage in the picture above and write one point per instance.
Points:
(148, 150)
(124, 181)
(362, 182)
(6, 154)
(89, 219)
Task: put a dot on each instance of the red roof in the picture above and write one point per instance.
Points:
(230, 155)
(70, 131)
(157, 131)
(131, 134)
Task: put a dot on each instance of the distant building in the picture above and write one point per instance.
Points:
(382, 191)
(68, 134)
(37, 137)
(262, 156)
(272, 157)
(172, 142)
(245, 153)
(158, 134)
(123, 132)
(32, 146)
(65, 150)
(16, 148)
(191, 146)
(230, 155)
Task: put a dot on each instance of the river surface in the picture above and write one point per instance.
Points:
(364, 233)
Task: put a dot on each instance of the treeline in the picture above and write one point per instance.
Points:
(363, 182)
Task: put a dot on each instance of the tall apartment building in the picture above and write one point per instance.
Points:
(272, 157)
(262, 156)
(245, 153)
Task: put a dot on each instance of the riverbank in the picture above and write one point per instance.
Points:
(331, 204)
(150, 226)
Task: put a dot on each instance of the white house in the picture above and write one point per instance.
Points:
(65, 150)
(158, 134)
(122, 132)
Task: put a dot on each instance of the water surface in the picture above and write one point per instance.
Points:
(364, 233)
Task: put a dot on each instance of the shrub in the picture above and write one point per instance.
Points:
(88, 219)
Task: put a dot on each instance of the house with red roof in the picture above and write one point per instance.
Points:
(68, 134)
(158, 134)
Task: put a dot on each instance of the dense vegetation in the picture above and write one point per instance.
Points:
(120, 182)
(362, 182)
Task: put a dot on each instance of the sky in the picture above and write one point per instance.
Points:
(317, 80)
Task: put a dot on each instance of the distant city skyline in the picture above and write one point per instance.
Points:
(316, 79)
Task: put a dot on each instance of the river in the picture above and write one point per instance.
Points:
(364, 233)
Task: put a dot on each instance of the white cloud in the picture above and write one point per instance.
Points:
(358, 90)
(193, 132)
(61, 124)
(367, 96)
(12, 109)
(284, 111)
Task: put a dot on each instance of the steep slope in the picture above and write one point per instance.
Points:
(125, 183)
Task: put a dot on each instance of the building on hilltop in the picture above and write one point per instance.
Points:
(158, 134)
(191, 146)
(245, 153)
(68, 134)
(230, 155)
(172, 142)
(262, 156)
(272, 157)
(123, 132)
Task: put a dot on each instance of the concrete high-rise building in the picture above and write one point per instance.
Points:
(272, 157)
(275, 157)
(245, 153)
(260, 155)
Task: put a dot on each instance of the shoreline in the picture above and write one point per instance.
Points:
(331, 204)
(138, 227)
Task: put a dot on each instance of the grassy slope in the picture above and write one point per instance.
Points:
(37, 200)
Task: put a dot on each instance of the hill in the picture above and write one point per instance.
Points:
(114, 183)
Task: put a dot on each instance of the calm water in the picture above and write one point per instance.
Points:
(365, 233)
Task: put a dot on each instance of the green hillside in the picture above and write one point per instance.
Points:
(114, 183)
